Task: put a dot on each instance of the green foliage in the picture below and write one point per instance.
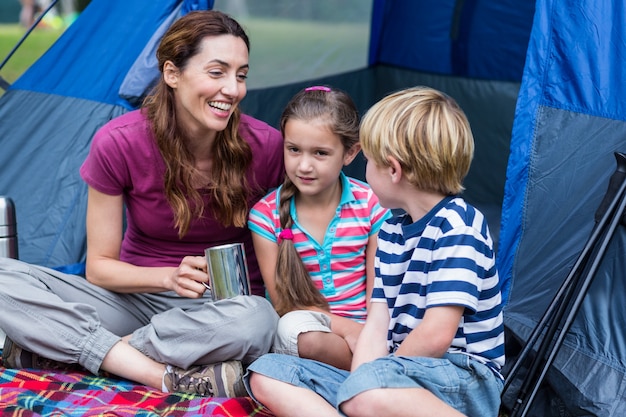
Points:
(31, 49)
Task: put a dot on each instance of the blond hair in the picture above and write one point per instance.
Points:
(426, 131)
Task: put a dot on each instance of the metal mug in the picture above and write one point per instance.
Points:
(228, 271)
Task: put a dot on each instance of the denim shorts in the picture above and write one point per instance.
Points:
(462, 382)
(295, 322)
(305, 373)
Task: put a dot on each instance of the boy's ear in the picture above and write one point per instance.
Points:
(170, 74)
(395, 170)
(351, 153)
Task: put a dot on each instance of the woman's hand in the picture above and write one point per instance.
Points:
(190, 279)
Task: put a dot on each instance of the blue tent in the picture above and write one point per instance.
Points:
(570, 119)
(542, 84)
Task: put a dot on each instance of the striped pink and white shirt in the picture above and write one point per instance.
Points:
(337, 266)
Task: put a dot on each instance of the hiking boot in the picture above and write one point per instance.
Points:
(16, 357)
(217, 380)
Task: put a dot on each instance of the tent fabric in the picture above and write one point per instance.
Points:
(50, 114)
(43, 141)
(142, 76)
(542, 84)
(93, 67)
(569, 121)
(574, 63)
(469, 38)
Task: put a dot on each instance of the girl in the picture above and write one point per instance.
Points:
(315, 236)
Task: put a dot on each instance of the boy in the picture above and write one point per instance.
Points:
(433, 341)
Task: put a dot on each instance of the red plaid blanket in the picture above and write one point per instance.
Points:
(27, 392)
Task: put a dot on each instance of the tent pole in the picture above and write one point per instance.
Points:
(565, 290)
(564, 293)
(19, 43)
(615, 194)
(577, 303)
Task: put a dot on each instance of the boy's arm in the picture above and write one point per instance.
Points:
(435, 333)
(372, 343)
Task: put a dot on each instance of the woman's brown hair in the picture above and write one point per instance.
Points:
(231, 153)
(294, 286)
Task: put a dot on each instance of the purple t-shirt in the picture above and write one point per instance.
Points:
(124, 159)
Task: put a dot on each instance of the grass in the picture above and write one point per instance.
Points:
(31, 49)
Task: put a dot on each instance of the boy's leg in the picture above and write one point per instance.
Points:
(442, 386)
(413, 402)
(279, 397)
(285, 383)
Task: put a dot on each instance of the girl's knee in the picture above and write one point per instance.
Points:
(311, 344)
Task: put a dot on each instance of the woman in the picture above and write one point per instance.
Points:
(186, 168)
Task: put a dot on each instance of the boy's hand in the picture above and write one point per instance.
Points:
(372, 343)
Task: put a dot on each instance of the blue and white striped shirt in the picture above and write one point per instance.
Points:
(445, 258)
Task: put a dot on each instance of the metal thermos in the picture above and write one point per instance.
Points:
(8, 229)
(228, 271)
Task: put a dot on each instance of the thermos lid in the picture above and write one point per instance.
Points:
(7, 217)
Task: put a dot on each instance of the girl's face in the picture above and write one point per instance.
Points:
(211, 85)
(314, 156)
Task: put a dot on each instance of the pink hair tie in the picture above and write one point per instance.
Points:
(285, 234)
(318, 88)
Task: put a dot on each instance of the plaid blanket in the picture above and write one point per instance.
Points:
(28, 392)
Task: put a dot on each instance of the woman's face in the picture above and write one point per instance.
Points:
(211, 85)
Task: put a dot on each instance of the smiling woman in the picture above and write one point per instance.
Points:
(183, 171)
